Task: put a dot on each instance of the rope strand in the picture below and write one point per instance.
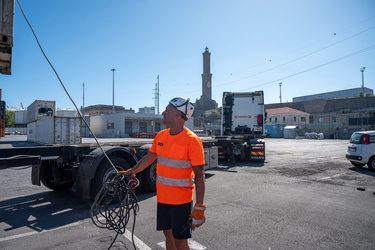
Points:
(113, 206)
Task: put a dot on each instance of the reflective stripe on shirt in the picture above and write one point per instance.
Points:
(173, 163)
(174, 182)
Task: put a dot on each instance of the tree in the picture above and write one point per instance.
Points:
(9, 119)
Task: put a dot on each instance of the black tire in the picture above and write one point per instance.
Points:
(47, 178)
(356, 164)
(105, 172)
(371, 163)
(148, 182)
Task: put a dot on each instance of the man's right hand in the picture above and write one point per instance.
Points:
(126, 172)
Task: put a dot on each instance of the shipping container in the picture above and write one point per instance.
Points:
(20, 116)
(275, 131)
(40, 109)
(55, 130)
(66, 113)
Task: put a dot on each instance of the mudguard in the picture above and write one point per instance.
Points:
(87, 169)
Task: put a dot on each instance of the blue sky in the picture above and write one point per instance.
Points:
(311, 46)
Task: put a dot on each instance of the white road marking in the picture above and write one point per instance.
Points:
(192, 244)
(37, 232)
(137, 242)
(333, 176)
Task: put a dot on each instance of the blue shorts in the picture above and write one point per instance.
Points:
(174, 217)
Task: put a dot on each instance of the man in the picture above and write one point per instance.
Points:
(180, 168)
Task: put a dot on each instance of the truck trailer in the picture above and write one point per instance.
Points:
(84, 166)
(60, 160)
(242, 132)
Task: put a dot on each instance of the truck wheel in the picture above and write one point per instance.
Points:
(105, 172)
(48, 180)
(356, 164)
(371, 163)
(148, 182)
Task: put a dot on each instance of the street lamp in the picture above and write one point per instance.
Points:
(113, 90)
(83, 98)
(280, 83)
(363, 81)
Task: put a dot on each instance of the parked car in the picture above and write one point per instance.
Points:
(361, 149)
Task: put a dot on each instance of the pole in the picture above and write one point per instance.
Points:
(157, 95)
(83, 95)
(363, 80)
(280, 83)
(113, 90)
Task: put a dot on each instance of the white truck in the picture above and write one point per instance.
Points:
(242, 134)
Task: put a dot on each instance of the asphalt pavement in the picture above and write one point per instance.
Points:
(305, 196)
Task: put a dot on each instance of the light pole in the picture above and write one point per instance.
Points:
(113, 90)
(83, 97)
(280, 83)
(363, 80)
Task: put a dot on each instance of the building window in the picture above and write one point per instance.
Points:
(270, 119)
(275, 119)
(295, 119)
(362, 121)
(128, 127)
(303, 119)
(320, 119)
(142, 126)
(333, 119)
(157, 126)
(110, 125)
(283, 119)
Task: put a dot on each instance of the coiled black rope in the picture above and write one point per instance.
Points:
(113, 206)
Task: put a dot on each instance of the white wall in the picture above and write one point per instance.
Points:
(99, 123)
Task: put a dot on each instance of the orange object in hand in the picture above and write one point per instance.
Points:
(126, 172)
(197, 216)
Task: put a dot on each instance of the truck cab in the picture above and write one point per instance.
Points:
(242, 131)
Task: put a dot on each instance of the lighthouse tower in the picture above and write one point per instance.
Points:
(206, 76)
(205, 102)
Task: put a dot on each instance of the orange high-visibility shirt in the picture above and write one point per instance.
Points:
(174, 173)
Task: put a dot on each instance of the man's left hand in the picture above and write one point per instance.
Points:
(197, 216)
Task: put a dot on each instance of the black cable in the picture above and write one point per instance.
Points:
(113, 206)
(63, 86)
(116, 191)
(316, 67)
(298, 58)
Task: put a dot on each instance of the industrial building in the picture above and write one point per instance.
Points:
(346, 93)
(335, 118)
(102, 109)
(122, 125)
(125, 124)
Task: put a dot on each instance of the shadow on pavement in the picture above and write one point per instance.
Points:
(43, 210)
(47, 210)
(230, 166)
(365, 171)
